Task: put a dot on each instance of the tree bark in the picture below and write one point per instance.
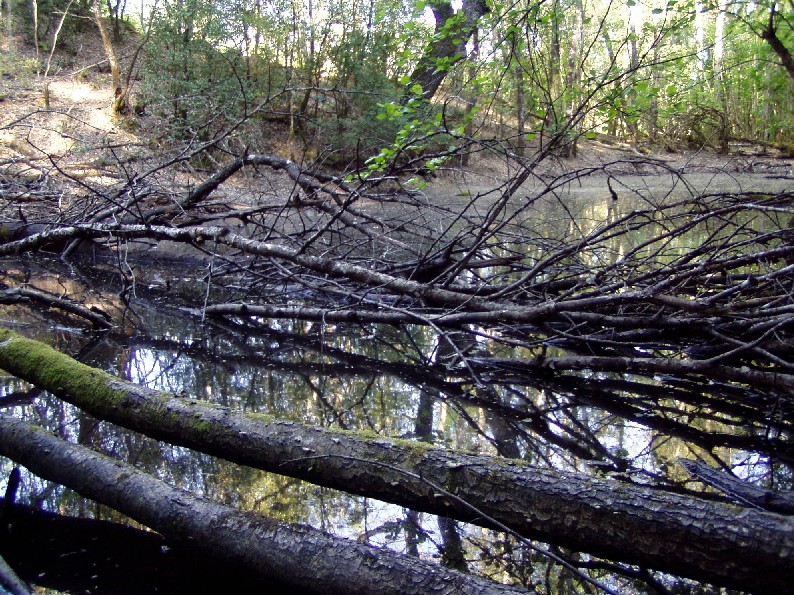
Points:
(448, 44)
(769, 34)
(739, 490)
(728, 545)
(295, 554)
(119, 102)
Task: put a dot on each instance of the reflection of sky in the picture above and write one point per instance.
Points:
(374, 515)
(631, 440)
(159, 370)
(360, 401)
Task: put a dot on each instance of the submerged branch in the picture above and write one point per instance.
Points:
(15, 295)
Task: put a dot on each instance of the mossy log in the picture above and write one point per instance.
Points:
(729, 545)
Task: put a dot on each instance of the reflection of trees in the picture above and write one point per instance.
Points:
(611, 338)
(528, 411)
(615, 519)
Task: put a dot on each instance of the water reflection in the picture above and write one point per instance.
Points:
(405, 382)
(409, 381)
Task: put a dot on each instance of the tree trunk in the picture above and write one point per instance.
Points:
(732, 546)
(572, 118)
(521, 107)
(295, 554)
(769, 34)
(448, 44)
(471, 95)
(9, 28)
(739, 490)
(119, 93)
(35, 15)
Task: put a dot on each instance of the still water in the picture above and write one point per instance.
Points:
(389, 380)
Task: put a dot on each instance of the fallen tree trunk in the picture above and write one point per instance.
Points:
(728, 545)
(83, 555)
(295, 554)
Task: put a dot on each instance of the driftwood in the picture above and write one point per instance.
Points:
(737, 547)
(295, 554)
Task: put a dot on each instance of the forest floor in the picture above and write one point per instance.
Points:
(65, 120)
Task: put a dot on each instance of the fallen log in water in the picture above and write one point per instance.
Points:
(295, 554)
(729, 545)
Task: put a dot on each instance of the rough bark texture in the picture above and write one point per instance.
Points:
(771, 37)
(729, 545)
(448, 45)
(739, 490)
(295, 554)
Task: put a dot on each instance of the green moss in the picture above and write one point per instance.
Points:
(416, 450)
(202, 426)
(263, 417)
(57, 373)
(102, 394)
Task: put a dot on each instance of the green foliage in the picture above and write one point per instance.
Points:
(22, 68)
(349, 126)
(49, 15)
(338, 74)
(422, 137)
(192, 82)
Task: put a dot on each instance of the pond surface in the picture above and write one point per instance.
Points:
(389, 380)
